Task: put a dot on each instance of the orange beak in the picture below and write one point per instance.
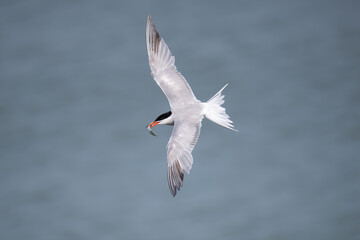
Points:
(153, 124)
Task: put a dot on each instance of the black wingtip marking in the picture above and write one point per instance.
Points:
(154, 37)
(175, 177)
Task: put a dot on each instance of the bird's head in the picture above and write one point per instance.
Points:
(163, 119)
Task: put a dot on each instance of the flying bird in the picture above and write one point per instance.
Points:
(186, 112)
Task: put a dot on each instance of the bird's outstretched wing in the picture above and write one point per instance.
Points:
(179, 148)
(163, 70)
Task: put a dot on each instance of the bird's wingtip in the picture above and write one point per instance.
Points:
(175, 177)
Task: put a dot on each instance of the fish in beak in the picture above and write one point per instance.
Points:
(148, 127)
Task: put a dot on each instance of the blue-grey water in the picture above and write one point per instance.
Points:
(76, 93)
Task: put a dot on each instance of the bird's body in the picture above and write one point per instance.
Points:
(186, 112)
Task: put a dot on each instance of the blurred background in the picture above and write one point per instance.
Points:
(76, 94)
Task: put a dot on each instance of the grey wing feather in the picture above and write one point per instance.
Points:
(163, 70)
(179, 158)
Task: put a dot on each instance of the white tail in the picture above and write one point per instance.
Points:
(216, 113)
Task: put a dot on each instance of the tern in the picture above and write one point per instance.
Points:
(186, 112)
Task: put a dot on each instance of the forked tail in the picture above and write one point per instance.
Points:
(216, 113)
